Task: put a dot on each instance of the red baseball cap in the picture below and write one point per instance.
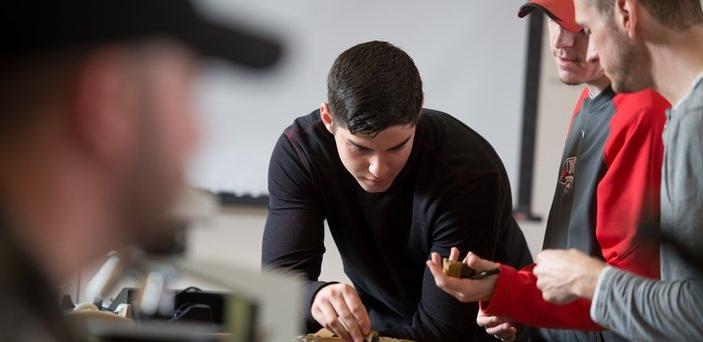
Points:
(561, 11)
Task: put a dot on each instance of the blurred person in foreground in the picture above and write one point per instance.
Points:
(96, 129)
(659, 44)
(607, 184)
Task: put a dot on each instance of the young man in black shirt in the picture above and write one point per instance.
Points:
(395, 182)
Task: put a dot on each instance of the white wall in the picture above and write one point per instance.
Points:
(469, 54)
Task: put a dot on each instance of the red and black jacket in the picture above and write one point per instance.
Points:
(608, 183)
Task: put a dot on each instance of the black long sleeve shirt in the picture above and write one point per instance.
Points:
(453, 192)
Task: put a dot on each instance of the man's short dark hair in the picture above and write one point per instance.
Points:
(373, 86)
(676, 14)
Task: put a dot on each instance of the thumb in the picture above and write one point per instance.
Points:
(479, 264)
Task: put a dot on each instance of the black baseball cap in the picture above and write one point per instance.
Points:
(35, 26)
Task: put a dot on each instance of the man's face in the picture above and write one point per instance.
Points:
(570, 52)
(165, 135)
(375, 160)
(624, 60)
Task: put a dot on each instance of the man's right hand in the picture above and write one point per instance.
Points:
(337, 307)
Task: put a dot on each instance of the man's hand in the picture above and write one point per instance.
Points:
(500, 327)
(565, 275)
(337, 307)
(465, 290)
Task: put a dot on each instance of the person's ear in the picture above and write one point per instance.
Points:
(326, 117)
(626, 16)
(103, 106)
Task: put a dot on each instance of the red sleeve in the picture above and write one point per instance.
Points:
(516, 296)
(628, 194)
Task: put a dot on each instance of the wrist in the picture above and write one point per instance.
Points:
(319, 289)
(589, 280)
(491, 288)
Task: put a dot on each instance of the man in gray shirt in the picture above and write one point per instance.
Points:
(659, 44)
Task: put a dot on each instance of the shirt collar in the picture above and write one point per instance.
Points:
(695, 84)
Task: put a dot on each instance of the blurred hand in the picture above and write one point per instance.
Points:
(465, 290)
(337, 307)
(500, 327)
(563, 276)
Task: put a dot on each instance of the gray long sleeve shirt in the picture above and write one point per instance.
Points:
(670, 309)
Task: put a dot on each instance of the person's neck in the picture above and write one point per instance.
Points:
(596, 87)
(677, 61)
(54, 209)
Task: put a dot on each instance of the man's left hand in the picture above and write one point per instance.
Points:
(564, 276)
(464, 290)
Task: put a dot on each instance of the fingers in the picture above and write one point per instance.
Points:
(452, 286)
(435, 263)
(499, 327)
(545, 254)
(464, 290)
(435, 266)
(486, 321)
(358, 310)
(328, 319)
(454, 254)
(437, 259)
(548, 254)
(537, 269)
(558, 299)
(439, 277)
(479, 264)
(338, 308)
(503, 331)
(347, 319)
(340, 330)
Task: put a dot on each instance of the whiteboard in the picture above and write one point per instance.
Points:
(470, 54)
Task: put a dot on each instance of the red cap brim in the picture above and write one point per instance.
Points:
(561, 11)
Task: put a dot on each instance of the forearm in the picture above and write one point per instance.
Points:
(293, 243)
(643, 309)
(517, 297)
(284, 259)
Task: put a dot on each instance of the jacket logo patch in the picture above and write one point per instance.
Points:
(566, 179)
